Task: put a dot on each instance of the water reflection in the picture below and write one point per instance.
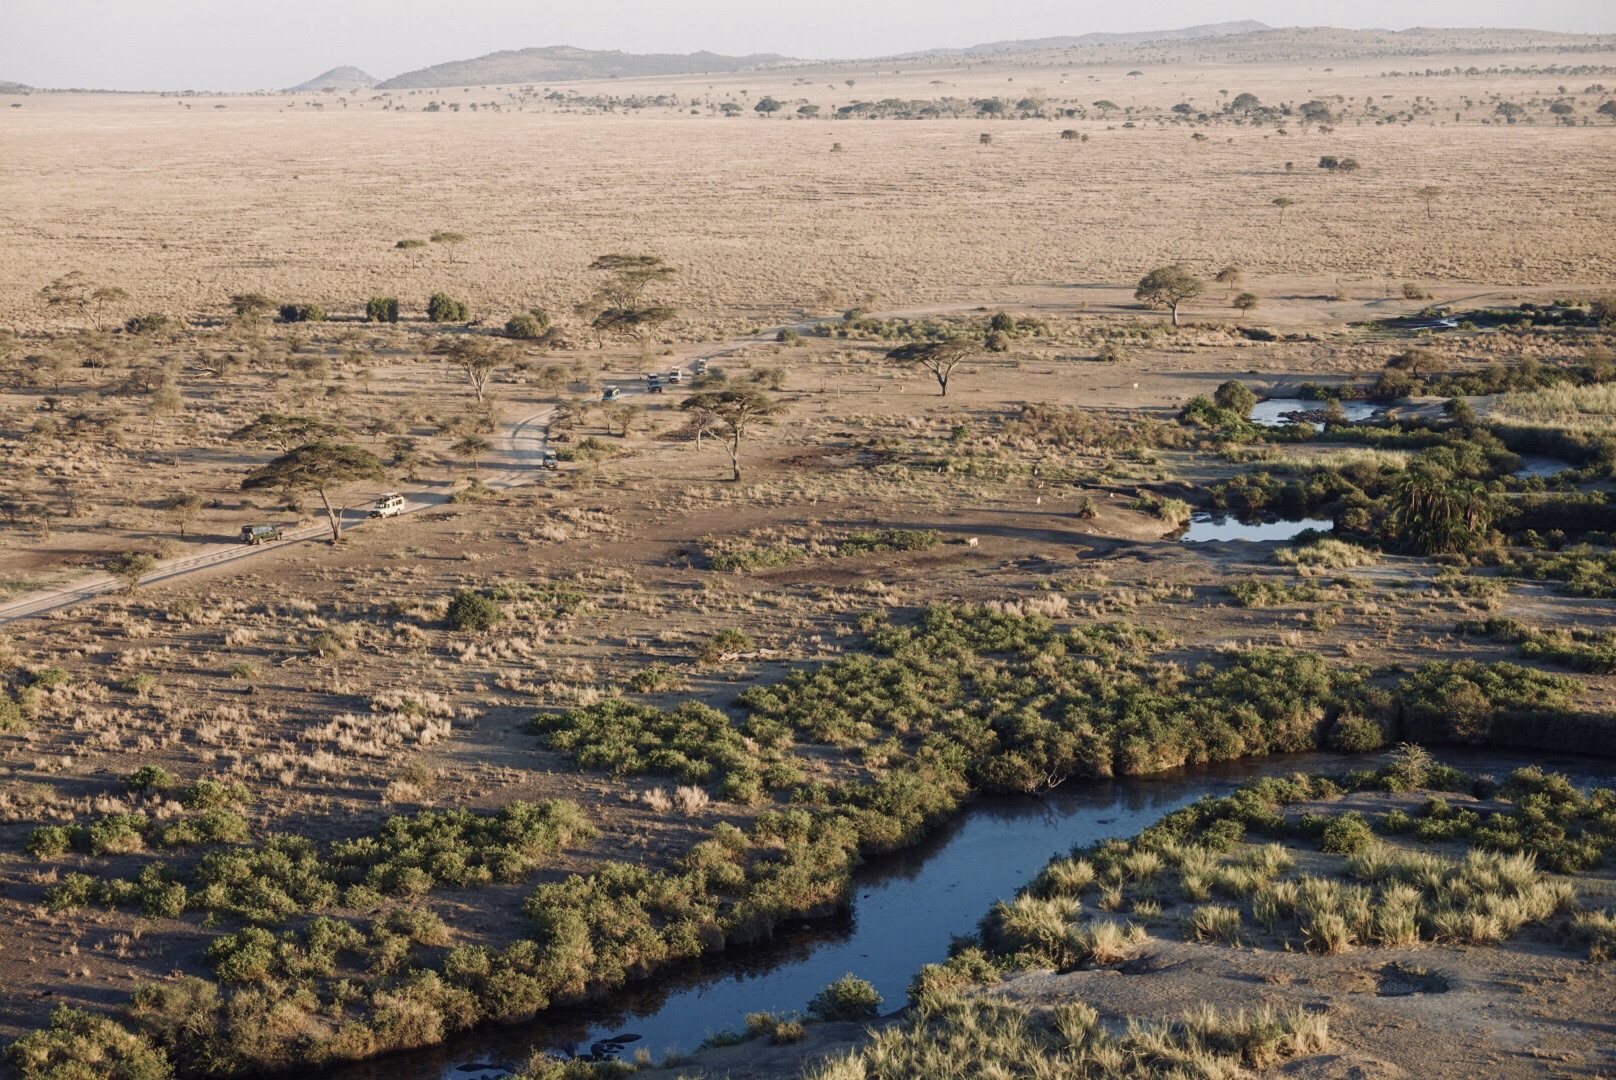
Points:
(1277, 412)
(1205, 527)
(907, 908)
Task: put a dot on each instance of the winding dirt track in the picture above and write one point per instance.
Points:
(523, 443)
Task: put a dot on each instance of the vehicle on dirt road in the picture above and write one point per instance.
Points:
(550, 460)
(611, 393)
(653, 383)
(388, 505)
(699, 367)
(259, 534)
(676, 376)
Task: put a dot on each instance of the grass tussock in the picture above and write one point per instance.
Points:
(948, 1035)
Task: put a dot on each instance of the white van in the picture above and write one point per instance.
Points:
(389, 505)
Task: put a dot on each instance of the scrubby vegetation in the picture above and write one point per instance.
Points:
(287, 876)
(949, 1035)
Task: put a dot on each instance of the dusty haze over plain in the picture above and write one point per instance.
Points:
(205, 45)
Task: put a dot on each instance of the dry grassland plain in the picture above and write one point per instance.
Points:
(330, 681)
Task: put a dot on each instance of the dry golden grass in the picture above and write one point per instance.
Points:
(186, 202)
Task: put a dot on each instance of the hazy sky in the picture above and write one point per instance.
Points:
(259, 44)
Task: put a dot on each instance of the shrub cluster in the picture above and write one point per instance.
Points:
(287, 876)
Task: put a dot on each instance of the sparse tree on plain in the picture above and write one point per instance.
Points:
(324, 466)
(472, 447)
(74, 290)
(131, 568)
(1608, 109)
(182, 507)
(733, 414)
(1430, 193)
(1168, 287)
(1245, 302)
(478, 357)
(250, 308)
(449, 240)
(1229, 276)
(1283, 203)
(938, 357)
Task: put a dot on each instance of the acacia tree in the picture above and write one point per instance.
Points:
(449, 240)
(478, 357)
(1283, 203)
(731, 414)
(938, 357)
(131, 568)
(281, 431)
(619, 306)
(1430, 193)
(77, 291)
(1229, 276)
(473, 447)
(323, 466)
(1245, 302)
(1168, 287)
(182, 508)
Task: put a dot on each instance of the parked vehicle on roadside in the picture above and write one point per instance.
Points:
(388, 505)
(699, 367)
(259, 534)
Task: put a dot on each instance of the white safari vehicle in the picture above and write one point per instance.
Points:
(389, 505)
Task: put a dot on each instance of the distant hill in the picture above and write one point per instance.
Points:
(564, 63)
(1143, 37)
(14, 87)
(346, 77)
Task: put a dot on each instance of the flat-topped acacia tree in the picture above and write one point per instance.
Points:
(938, 357)
(323, 466)
(730, 414)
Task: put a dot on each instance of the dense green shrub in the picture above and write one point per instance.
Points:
(695, 743)
(78, 1046)
(382, 309)
(149, 778)
(1482, 704)
(529, 325)
(848, 998)
(1346, 834)
(472, 610)
(302, 313)
(443, 308)
(870, 541)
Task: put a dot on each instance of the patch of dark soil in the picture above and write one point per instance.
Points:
(1401, 980)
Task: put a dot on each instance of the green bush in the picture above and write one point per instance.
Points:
(302, 313)
(529, 325)
(871, 541)
(443, 308)
(1347, 834)
(78, 1046)
(848, 998)
(471, 610)
(51, 841)
(149, 778)
(149, 323)
(383, 309)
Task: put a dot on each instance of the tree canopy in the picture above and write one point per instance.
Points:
(323, 466)
(938, 357)
(1168, 287)
(732, 413)
(283, 431)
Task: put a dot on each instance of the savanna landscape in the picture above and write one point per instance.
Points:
(801, 468)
